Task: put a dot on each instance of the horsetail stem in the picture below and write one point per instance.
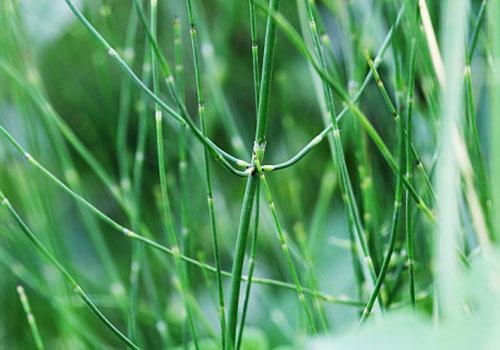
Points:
(30, 317)
(258, 153)
(368, 267)
(208, 177)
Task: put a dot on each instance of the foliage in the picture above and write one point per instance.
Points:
(255, 175)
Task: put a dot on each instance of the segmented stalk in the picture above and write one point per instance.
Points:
(30, 317)
(208, 178)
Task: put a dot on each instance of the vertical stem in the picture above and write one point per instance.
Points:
(30, 317)
(236, 272)
(251, 267)
(255, 53)
(249, 196)
(208, 178)
(124, 109)
(409, 175)
(183, 158)
(284, 247)
(135, 217)
(368, 267)
(394, 223)
(166, 208)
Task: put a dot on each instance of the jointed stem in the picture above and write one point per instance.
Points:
(30, 317)
(394, 225)
(368, 268)
(258, 153)
(251, 267)
(208, 178)
(409, 162)
(284, 247)
(166, 208)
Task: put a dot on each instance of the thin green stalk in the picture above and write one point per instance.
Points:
(124, 107)
(253, 247)
(67, 276)
(208, 178)
(368, 195)
(410, 152)
(139, 263)
(251, 267)
(284, 247)
(475, 30)
(136, 261)
(258, 153)
(311, 277)
(183, 158)
(30, 317)
(409, 161)
(472, 133)
(294, 190)
(255, 53)
(165, 201)
(394, 225)
(368, 268)
(237, 270)
(396, 114)
(212, 61)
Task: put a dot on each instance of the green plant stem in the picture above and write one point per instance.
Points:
(165, 201)
(253, 247)
(183, 158)
(30, 317)
(475, 30)
(409, 162)
(284, 247)
(67, 276)
(136, 260)
(368, 268)
(255, 53)
(472, 133)
(208, 177)
(394, 225)
(237, 270)
(258, 153)
(124, 108)
(251, 267)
